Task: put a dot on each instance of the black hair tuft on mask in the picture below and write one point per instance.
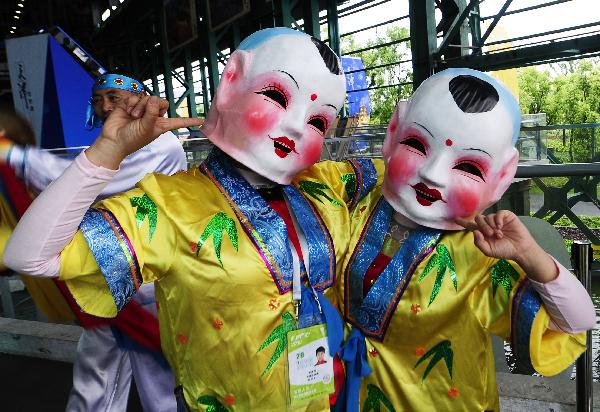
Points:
(329, 57)
(472, 94)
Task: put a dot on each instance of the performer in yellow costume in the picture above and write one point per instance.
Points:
(226, 246)
(14, 200)
(422, 296)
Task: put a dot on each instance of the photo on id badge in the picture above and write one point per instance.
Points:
(310, 365)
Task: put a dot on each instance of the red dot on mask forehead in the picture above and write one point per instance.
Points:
(448, 142)
(313, 97)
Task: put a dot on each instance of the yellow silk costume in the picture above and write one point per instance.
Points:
(44, 292)
(217, 254)
(427, 319)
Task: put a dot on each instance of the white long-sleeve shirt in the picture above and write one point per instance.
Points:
(39, 168)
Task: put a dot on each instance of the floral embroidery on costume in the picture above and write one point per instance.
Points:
(274, 303)
(443, 259)
(212, 404)
(442, 350)
(229, 399)
(145, 207)
(415, 308)
(375, 397)
(453, 392)
(218, 223)
(349, 180)
(502, 272)
(279, 334)
(315, 190)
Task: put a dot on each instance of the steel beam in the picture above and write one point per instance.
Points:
(526, 55)
(423, 38)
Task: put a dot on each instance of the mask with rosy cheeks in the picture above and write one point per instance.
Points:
(278, 94)
(449, 151)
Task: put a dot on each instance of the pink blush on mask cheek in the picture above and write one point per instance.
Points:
(312, 151)
(400, 170)
(463, 202)
(260, 119)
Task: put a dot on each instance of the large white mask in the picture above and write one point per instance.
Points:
(275, 100)
(449, 150)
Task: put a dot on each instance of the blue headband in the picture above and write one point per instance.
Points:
(105, 81)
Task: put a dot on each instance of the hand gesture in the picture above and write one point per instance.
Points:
(123, 133)
(503, 236)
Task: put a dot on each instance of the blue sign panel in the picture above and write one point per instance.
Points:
(356, 84)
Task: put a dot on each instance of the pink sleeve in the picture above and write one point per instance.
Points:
(53, 218)
(568, 303)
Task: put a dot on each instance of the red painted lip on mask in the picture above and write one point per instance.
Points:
(425, 195)
(283, 146)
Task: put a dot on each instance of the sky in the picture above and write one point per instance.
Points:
(568, 14)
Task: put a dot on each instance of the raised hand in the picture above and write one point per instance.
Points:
(502, 235)
(135, 106)
(123, 133)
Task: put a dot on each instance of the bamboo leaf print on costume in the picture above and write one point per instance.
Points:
(502, 272)
(315, 190)
(349, 180)
(442, 350)
(212, 404)
(218, 223)
(375, 397)
(442, 259)
(145, 207)
(278, 334)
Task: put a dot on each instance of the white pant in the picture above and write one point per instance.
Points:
(102, 376)
(102, 371)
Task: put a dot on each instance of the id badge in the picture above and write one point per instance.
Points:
(310, 365)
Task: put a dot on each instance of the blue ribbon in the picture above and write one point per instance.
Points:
(316, 309)
(354, 353)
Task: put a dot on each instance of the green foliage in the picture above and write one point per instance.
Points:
(534, 90)
(592, 222)
(384, 99)
(549, 181)
(569, 96)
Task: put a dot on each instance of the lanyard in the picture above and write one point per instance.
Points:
(296, 276)
(296, 286)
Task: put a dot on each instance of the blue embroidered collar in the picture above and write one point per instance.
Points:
(268, 231)
(372, 313)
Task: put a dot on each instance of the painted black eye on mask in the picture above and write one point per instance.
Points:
(415, 144)
(469, 168)
(275, 95)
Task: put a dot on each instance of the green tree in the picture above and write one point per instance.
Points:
(534, 88)
(569, 96)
